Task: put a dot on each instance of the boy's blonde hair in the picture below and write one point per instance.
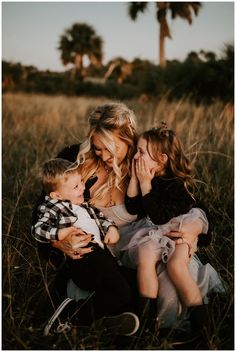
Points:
(106, 120)
(54, 171)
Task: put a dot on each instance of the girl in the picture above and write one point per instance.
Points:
(160, 187)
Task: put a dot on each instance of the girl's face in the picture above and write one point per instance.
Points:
(103, 153)
(143, 152)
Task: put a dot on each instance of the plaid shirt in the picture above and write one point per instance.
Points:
(54, 215)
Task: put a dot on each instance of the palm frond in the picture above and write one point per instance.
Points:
(135, 8)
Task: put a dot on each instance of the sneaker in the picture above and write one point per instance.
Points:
(61, 312)
(125, 324)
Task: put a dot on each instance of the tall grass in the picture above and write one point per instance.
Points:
(36, 127)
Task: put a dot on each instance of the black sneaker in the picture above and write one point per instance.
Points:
(125, 324)
(61, 313)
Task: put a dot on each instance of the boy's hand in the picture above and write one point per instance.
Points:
(112, 235)
(67, 231)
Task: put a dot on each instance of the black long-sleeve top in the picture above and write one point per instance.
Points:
(168, 198)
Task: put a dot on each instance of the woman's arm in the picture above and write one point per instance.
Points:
(80, 238)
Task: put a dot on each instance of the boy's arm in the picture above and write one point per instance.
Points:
(45, 229)
(104, 222)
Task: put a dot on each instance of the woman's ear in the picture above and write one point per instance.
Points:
(55, 195)
(164, 158)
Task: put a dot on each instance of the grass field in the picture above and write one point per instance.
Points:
(36, 127)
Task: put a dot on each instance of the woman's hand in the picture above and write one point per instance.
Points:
(74, 244)
(188, 234)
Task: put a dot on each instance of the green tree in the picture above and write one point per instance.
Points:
(78, 42)
(177, 9)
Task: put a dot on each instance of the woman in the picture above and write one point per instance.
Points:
(106, 156)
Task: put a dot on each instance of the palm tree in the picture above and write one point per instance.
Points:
(181, 9)
(77, 42)
(120, 67)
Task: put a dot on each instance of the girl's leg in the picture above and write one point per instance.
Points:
(189, 293)
(148, 286)
(146, 271)
(178, 271)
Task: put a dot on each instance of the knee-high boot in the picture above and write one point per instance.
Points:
(148, 310)
(200, 323)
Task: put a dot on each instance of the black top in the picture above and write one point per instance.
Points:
(177, 204)
(168, 198)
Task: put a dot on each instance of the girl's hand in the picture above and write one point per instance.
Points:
(144, 175)
(133, 172)
(133, 189)
(67, 245)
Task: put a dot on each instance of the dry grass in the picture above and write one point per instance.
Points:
(36, 127)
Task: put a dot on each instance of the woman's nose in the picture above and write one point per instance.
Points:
(106, 155)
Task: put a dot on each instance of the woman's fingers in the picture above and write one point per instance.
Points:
(173, 234)
(79, 252)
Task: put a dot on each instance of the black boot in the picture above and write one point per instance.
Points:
(148, 310)
(200, 324)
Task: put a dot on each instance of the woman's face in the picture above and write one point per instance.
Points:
(103, 153)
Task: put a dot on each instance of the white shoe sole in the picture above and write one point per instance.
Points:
(58, 311)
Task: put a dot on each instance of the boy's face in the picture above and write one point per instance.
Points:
(71, 188)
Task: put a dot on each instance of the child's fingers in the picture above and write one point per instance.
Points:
(133, 166)
(139, 166)
(80, 244)
(142, 164)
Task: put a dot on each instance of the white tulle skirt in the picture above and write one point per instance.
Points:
(145, 232)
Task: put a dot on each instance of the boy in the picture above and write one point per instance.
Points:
(98, 271)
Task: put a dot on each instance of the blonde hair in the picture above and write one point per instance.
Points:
(54, 171)
(106, 120)
(165, 141)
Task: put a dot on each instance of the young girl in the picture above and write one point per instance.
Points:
(160, 188)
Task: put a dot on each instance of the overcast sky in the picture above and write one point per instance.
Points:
(31, 31)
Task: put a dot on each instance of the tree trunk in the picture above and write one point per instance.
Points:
(78, 70)
(162, 46)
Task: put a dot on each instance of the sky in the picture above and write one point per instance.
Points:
(31, 31)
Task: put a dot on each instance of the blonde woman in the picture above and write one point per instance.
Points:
(107, 156)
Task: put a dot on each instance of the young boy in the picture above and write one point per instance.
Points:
(63, 208)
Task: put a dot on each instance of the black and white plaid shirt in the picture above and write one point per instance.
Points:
(54, 215)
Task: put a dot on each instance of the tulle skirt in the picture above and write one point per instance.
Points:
(144, 232)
